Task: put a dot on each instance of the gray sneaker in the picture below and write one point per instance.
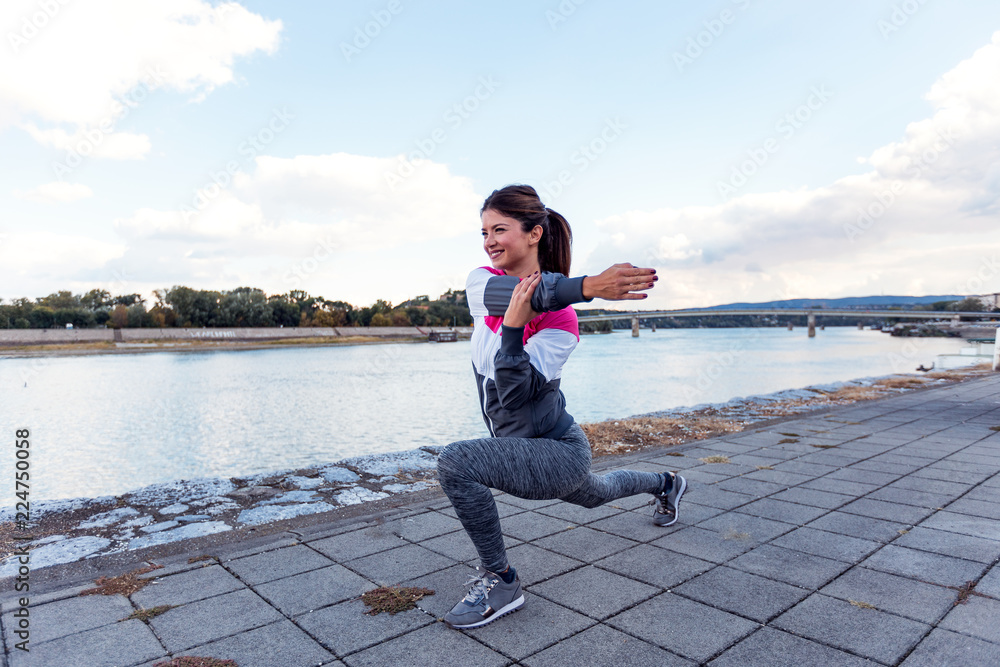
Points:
(665, 513)
(488, 599)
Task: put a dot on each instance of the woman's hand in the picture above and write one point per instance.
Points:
(619, 282)
(519, 311)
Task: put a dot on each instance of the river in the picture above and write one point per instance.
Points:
(106, 424)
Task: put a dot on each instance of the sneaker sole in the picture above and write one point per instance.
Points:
(512, 606)
(677, 504)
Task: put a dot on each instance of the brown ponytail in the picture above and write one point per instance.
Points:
(521, 202)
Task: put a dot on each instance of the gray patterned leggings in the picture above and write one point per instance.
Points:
(532, 468)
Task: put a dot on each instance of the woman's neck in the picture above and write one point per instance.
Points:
(523, 270)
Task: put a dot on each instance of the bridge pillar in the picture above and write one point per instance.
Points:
(653, 328)
(790, 326)
(996, 350)
(635, 327)
(860, 326)
(956, 320)
(811, 322)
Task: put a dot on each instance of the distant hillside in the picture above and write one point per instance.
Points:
(846, 302)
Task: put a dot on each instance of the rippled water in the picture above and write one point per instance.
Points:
(107, 424)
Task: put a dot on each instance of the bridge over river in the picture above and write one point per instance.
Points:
(810, 313)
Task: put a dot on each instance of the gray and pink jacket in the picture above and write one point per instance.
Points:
(518, 368)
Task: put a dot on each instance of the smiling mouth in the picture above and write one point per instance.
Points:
(495, 253)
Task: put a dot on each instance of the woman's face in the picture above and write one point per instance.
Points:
(510, 249)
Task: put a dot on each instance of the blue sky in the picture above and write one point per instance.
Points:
(742, 148)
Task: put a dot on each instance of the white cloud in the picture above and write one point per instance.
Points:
(92, 142)
(38, 256)
(86, 64)
(57, 191)
(923, 219)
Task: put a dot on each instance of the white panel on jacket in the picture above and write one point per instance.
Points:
(549, 349)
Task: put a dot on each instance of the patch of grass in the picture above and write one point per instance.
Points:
(902, 531)
(824, 446)
(862, 605)
(673, 454)
(787, 440)
(964, 591)
(393, 599)
(790, 435)
(900, 383)
(146, 614)
(764, 467)
(616, 436)
(733, 534)
(995, 428)
(715, 459)
(123, 584)
(196, 661)
(195, 559)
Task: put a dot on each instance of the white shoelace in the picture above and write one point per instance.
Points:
(481, 587)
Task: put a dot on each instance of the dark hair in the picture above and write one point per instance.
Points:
(522, 203)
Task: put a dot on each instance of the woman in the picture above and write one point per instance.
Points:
(525, 330)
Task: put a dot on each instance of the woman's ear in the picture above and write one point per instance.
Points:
(535, 235)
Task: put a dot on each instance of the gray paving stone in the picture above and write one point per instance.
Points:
(871, 477)
(524, 502)
(868, 632)
(734, 525)
(859, 526)
(585, 544)
(422, 526)
(943, 647)
(878, 466)
(655, 566)
(601, 646)
(535, 626)
(683, 626)
(203, 621)
(716, 497)
(459, 547)
(639, 526)
(279, 644)
(813, 497)
(792, 567)
(951, 489)
(345, 628)
(702, 477)
(986, 510)
(909, 497)
(594, 592)
(706, 544)
(950, 544)
(784, 650)
(880, 509)
(780, 510)
(976, 616)
(579, 515)
(936, 471)
(964, 524)
(782, 477)
(356, 544)
(751, 487)
(65, 617)
(888, 592)
(814, 469)
(924, 566)
(396, 565)
(529, 526)
(990, 583)
(535, 564)
(187, 586)
(425, 647)
(839, 486)
(987, 494)
(741, 593)
(134, 643)
(276, 564)
(828, 545)
(314, 589)
(755, 459)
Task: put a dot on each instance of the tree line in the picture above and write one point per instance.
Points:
(181, 306)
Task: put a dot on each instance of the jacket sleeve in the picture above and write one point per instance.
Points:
(489, 294)
(517, 381)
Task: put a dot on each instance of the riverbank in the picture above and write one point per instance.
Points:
(69, 530)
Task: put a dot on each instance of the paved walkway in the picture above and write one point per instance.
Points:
(839, 539)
